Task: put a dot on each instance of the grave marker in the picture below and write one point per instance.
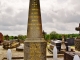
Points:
(34, 45)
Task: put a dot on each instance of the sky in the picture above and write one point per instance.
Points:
(61, 16)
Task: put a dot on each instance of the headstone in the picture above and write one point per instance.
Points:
(1, 37)
(9, 54)
(34, 45)
(70, 41)
(54, 53)
(76, 57)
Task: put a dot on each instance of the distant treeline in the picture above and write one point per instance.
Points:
(59, 36)
(19, 37)
(53, 35)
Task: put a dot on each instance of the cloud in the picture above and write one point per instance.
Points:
(46, 18)
(9, 10)
(61, 16)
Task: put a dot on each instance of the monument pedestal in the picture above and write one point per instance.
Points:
(35, 49)
(77, 44)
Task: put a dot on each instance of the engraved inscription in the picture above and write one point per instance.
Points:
(34, 16)
(34, 24)
(35, 51)
(35, 9)
(34, 20)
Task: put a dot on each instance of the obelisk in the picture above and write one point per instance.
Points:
(35, 45)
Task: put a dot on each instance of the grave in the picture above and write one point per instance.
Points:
(77, 40)
(20, 48)
(61, 45)
(58, 44)
(70, 55)
(70, 41)
(34, 45)
(10, 44)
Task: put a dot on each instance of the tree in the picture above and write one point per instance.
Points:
(47, 37)
(21, 37)
(53, 35)
(6, 37)
(53, 32)
(11, 37)
(44, 34)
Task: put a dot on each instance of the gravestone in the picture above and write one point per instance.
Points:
(1, 37)
(34, 45)
(70, 41)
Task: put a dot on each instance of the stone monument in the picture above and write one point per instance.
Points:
(63, 46)
(34, 45)
(77, 40)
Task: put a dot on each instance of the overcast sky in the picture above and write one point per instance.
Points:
(61, 16)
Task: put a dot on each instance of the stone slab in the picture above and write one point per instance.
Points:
(70, 55)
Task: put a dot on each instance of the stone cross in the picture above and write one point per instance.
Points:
(78, 28)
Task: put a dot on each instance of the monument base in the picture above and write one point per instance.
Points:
(35, 49)
(77, 44)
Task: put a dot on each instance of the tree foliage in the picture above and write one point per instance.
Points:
(19, 37)
(54, 35)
